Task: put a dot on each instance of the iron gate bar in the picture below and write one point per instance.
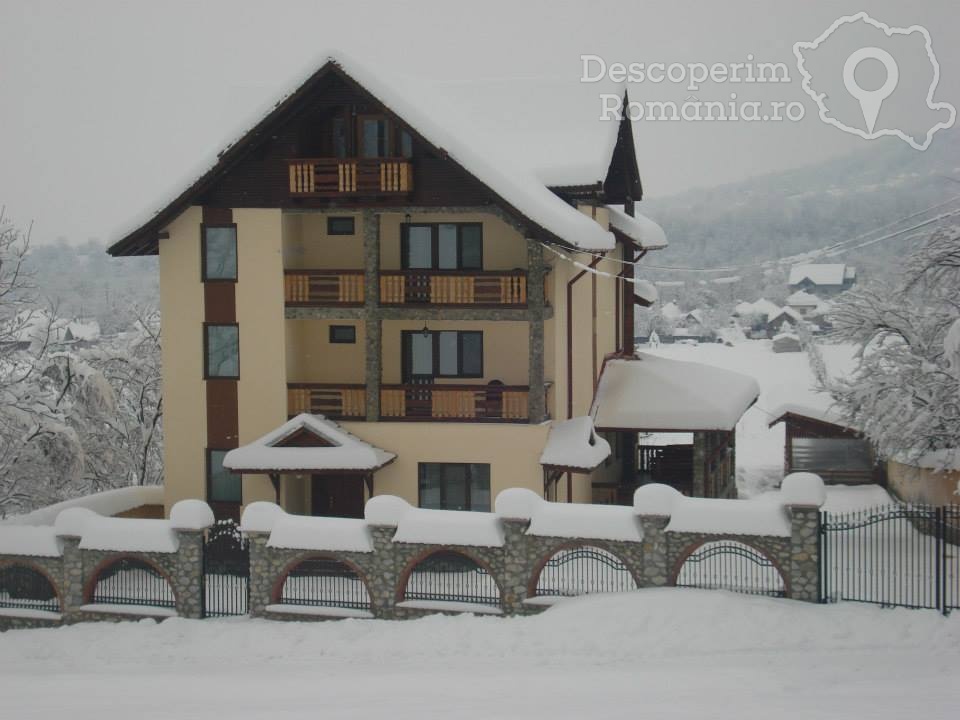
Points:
(451, 577)
(23, 587)
(731, 565)
(583, 570)
(130, 581)
(226, 571)
(324, 582)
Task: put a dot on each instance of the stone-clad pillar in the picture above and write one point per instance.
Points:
(384, 572)
(699, 463)
(72, 574)
(517, 566)
(655, 570)
(188, 574)
(371, 307)
(537, 401)
(804, 553)
(262, 575)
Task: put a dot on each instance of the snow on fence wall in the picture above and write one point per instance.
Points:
(400, 561)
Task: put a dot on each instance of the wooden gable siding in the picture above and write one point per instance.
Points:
(261, 179)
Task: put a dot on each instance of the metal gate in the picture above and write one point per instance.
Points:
(731, 565)
(894, 555)
(226, 570)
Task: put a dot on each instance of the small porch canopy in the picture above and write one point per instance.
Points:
(308, 444)
(654, 395)
(651, 393)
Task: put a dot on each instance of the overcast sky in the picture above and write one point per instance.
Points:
(106, 105)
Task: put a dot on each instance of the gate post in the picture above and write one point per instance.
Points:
(188, 579)
(804, 552)
(656, 563)
(262, 575)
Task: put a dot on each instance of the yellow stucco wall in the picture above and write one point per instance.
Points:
(311, 357)
(307, 246)
(261, 391)
(184, 398)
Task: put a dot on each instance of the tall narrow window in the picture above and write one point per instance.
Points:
(374, 137)
(223, 486)
(222, 350)
(406, 144)
(454, 486)
(339, 137)
(219, 252)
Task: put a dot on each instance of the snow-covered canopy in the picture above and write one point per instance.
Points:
(509, 171)
(109, 502)
(639, 228)
(654, 393)
(344, 452)
(820, 273)
(646, 291)
(801, 298)
(573, 443)
(817, 406)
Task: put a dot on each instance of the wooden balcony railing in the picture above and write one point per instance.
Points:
(453, 287)
(337, 401)
(323, 287)
(463, 403)
(326, 177)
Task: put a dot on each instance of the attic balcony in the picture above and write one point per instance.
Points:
(345, 177)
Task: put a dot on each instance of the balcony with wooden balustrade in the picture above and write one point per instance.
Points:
(335, 177)
(454, 288)
(323, 287)
(333, 400)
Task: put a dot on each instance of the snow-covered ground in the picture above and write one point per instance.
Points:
(668, 653)
(783, 378)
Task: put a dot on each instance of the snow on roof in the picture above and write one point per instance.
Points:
(819, 273)
(639, 228)
(333, 534)
(819, 406)
(671, 311)
(128, 535)
(109, 502)
(30, 541)
(646, 290)
(593, 522)
(346, 452)
(696, 314)
(789, 311)
(801, 298)
(737, 517)
(573, 443)
(654, 393)
(450, 527)
(850, 273)
(728, 280)
(485, 155)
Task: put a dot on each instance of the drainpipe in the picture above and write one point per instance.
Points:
(570, 284)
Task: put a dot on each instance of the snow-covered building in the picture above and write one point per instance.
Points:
(823, 279)
(363, 263)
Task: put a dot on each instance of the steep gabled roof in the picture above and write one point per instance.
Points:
(516, 190)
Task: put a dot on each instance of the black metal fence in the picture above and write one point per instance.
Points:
(326, 583)
(731, 565)
(129, 581)
(451, 577)
(226, 571)
(893, 555)
(24, 588)
(583, 570)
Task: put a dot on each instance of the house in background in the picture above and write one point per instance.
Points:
(359, 300)
(803, 302)
(822, 279)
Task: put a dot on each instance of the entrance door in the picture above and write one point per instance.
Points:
(337, 496)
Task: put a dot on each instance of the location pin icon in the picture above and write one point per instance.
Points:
(871, 100)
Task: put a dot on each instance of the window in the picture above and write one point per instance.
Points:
(374, 137)
(346, 334)
(454, 486)
(441, 246)
(222, 351)
(405, 143)
(223, 486)
(340, 226)
(219, 252)
(442, 353)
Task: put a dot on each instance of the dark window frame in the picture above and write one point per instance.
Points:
(468, 482)
(331, 219)
(407, 359)
(208, 453)
(387, 141)
(206, 351)
(435, 245)
(332, 335)
(203, 253)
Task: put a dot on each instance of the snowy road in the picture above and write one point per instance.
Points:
(656, 653)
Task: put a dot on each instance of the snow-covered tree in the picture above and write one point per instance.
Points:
(904, 394)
